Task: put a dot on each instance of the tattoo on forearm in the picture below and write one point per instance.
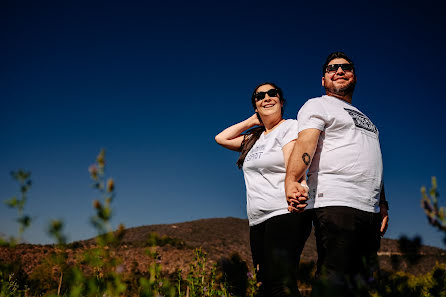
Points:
(306, 158)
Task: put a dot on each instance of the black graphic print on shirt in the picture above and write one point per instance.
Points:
(361, 121)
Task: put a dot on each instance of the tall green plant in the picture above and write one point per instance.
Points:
(436, 215)
(13, 279)
(203, 282)
(108, 279)
(23, 177)
(106, 188)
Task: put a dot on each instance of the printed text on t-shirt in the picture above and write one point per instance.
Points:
(255, 153)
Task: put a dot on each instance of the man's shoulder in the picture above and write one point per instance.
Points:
(316, 99)
(312, 103)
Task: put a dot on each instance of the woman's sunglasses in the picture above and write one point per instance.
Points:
(261, 95)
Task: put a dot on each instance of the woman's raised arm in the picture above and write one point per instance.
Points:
(232, 138)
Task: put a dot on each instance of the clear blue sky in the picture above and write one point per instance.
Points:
(153, 82)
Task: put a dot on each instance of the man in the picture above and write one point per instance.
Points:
(345, 182)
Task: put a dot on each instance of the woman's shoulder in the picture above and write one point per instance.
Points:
(288, 131)
(289, 123)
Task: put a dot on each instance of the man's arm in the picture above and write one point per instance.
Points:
(383, 208)
(300, 160)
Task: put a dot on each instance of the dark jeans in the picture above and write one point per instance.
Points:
(276, 245)
(347, 243)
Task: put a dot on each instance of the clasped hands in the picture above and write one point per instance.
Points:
(296, 195)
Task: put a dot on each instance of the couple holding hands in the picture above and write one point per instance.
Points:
(342, 194)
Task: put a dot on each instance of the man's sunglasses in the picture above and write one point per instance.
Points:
(261, 95)
(335, 67)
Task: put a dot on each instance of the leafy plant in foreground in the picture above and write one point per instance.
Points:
(23, 177)
(436, 215)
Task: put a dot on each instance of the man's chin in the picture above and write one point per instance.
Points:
(343, 91)
(336, 92)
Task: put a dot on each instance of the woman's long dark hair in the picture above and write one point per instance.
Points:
(252, 135)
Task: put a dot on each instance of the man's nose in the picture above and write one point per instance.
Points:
(340, 70)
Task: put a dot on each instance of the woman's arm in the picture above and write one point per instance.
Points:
(231, 137)
(287, 149)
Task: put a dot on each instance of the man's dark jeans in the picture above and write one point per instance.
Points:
(347, 242)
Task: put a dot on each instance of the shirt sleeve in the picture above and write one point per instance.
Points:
(311, 115)
(289, 133)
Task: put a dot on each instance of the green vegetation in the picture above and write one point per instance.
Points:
(402, 284)
(24, 180)
(154, 239)
(99, 271)
(436, 215)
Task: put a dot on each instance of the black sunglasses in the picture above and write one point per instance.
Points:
(335, 67)
(261, 95)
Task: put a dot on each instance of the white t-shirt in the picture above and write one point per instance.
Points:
(264, 172)
(346, 169)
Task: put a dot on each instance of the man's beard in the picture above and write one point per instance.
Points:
(343, 91)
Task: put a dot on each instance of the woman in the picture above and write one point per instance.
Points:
(277, 236)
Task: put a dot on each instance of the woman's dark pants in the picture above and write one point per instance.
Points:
(276, 245)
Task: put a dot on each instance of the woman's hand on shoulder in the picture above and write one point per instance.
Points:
(255, 120)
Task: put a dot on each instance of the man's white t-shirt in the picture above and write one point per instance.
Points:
(346, 169)
(264, 171)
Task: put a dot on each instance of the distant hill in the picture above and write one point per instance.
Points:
(219, 238)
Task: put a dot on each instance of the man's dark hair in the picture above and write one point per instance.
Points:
(337, 55)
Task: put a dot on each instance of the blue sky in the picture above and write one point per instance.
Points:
(153, 82)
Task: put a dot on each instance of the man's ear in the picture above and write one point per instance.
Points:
(323, 81)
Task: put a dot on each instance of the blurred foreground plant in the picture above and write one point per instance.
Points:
(105, 264)
(200, 281)
(403, 284)
(24, 180)
(106, 187)
(436, 215)
(13, 279)
(100, 272)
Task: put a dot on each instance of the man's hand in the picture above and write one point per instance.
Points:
(384, 219)
(296, 195)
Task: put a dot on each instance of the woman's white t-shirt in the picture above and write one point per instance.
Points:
(264, 171)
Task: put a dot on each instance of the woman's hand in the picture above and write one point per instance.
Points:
(254, 119)
(296, 195)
